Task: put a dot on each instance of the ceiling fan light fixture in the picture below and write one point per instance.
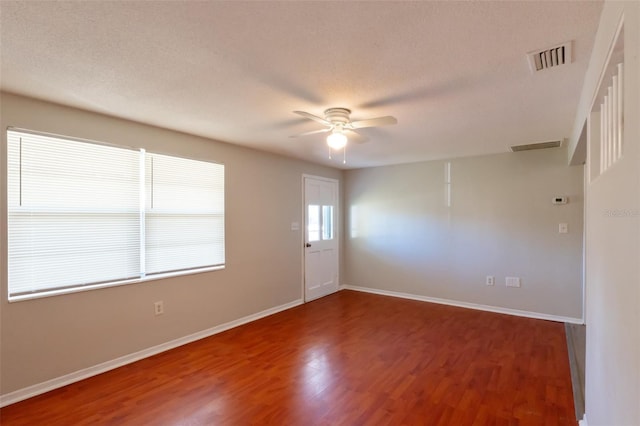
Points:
(338, 121)
(337, 140)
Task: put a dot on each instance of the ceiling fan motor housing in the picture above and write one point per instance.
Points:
(337, 115)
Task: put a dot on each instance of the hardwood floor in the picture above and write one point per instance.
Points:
(347, 359)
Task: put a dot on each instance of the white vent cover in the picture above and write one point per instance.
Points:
(538, 145)
(550, 58)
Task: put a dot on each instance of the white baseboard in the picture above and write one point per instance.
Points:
(468, 305)
(583, 422)
(58, 382)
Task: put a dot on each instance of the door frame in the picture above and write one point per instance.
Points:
(336, 227)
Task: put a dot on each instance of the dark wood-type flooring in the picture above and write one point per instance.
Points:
(347, 359)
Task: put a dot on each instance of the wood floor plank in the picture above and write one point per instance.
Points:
(347, 359)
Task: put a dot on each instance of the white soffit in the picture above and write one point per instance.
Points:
(455, 74)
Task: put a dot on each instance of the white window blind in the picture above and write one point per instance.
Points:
(73, 213)
(184, 214)
(80, 214)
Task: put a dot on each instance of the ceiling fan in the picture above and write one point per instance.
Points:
(337, 122)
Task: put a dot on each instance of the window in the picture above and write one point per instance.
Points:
(313, 225)
(319, 218)
(327, 222)
(83, 215)
(184, 214)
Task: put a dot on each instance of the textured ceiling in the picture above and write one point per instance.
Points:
(455, 74)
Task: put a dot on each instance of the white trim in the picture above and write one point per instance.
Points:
(326, 179)
(58, 382)
(583, 422)
(585, 183)
(303, 239)
(476, 306)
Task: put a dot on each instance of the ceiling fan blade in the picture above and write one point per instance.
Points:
(313, 117)
(373, 122)
(313, 132)
(356, 137)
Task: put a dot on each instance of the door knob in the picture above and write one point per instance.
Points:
(308, 245)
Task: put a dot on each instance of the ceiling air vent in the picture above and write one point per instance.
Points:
(539, 145)
(550, 58)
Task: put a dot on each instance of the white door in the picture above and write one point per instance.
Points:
(321, 239)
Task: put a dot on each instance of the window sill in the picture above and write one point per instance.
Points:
(42, 294)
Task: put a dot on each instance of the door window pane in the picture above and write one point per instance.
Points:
(327, 222)
(313, 223)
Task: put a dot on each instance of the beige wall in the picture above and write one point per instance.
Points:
(402, 237)
(613, 242)
(50, 337)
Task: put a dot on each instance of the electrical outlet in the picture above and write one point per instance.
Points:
(512, 281)
(491, 280)
(563, 228)
(159, 307)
